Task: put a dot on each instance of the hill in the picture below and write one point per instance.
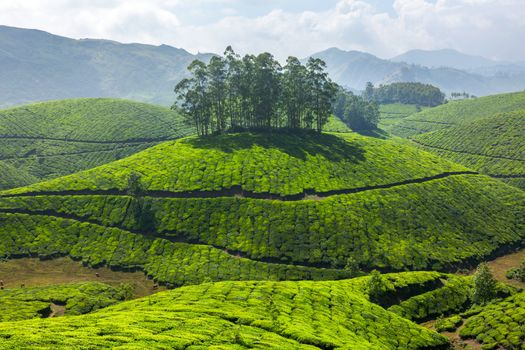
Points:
(267, 206)
(353, 69)
(11, 177)
(38, 66)
(445, 58)
(392, 114)
(459, 112)
(241, 315)
(493, 146)
(51, 139)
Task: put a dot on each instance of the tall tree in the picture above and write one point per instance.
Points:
(216, 71)
(322, 91)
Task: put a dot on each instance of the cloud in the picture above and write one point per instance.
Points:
(492, 28)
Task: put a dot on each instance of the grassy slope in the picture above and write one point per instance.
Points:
(56, 138)
(239, 315)
(11, 177)
(391, 114)
(493, 146)
(459, 112)
(263, 163)
(77, 299)
(415, 226)
(335, 125)
(500, 324)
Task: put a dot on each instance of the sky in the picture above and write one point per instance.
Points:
(386, 28)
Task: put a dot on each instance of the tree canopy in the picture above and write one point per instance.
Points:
(355, 111)
(236, 93)
(407, 93)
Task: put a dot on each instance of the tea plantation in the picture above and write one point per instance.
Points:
(51, 139)
(498, 325)
(241, 315)
(493, 146)
(458, 112)
(392, 114)
(394, 208)
(12, 177)
(76, 299)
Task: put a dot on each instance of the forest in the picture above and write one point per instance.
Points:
(255, 92)
(407, 93)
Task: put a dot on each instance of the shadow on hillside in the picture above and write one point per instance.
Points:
(297, 145)
(376, 133)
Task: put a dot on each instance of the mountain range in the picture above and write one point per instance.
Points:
(39, 66)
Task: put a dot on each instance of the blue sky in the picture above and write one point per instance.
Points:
(490, 28)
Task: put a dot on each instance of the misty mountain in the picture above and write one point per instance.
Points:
(37, 66)
(353, 69)
(445, 58)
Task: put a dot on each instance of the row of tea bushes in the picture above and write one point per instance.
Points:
(167, 262)
(419, 226)
(77, 299)
(235, 315)
(278, 164)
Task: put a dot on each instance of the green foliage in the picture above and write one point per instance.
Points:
(172, 263)
(376, 287)
(235, 315)
(80, 298)
(393, 113)
(517, 273)
(459, 112)
(335, 124)
(51, 139)
(454, 296)
(500, 324)
(427, 225)
(11, 177)
(274, 163)
(493, 146)
(448, 324)
(484, 285)
(255, 92)
(358, 113)
(406, 93)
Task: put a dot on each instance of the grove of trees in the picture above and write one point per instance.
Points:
(355, 111)
(407, 93)
(255, 92)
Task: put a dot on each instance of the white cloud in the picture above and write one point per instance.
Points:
(492, 28)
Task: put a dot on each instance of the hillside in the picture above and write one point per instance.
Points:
(51, 139)
(241, 315)
(392, 114)
(267, 206)
(353, 69)
(38, 66)
(11, 177)
(445, 58)
(493, 146)
(459, 112)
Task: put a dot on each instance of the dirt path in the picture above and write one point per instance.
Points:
(502, 264)
(34, 272)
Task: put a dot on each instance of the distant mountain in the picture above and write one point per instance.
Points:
(38, 66)
(353, 69)
(445, 58)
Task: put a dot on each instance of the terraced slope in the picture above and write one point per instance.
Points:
(392, 114)
(11, 177)
(69, 299)
(494, 146)
(267, 207)
(241, 315)
(500, 325)
(52, 139)
(458, 112)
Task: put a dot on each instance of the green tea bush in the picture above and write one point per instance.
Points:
(235, 315)
(52, 139)
(459, 112)
(77, 299)
(500, 324)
